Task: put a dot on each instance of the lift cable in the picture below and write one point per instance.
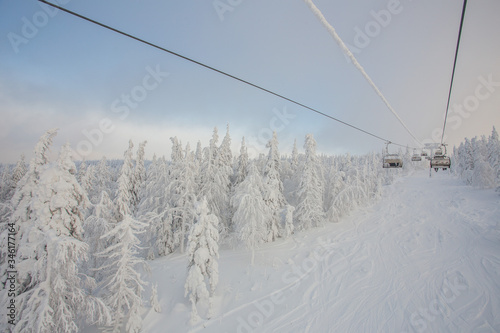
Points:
(352, 58)
(454, 66)
(216, 70)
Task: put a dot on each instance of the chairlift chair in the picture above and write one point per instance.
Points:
(416, 157)
(391, 161)
(440, 160)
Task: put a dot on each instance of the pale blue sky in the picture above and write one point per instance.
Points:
(71, 74)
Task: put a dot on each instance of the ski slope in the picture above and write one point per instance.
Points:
(423, 258)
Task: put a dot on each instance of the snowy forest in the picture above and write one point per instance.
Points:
(82, 232)
(477, 161)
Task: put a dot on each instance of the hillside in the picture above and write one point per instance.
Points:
(425, 257)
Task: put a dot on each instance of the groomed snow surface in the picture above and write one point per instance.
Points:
(424, 258)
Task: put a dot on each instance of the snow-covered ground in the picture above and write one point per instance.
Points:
(424, 258)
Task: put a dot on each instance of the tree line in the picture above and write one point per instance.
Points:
(84, 234)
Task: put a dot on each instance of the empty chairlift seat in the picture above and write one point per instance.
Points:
(416, 157)
(392, 161)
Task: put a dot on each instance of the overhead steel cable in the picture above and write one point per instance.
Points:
(348, 53)
(215, 70)
(454, 66)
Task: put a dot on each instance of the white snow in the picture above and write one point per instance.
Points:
(424, 258)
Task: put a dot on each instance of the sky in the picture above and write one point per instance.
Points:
(102, 89)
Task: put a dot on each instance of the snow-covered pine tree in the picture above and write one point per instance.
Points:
(203, 252)
(51, 294)
(309, 212)
(251, 214)
(273, 190)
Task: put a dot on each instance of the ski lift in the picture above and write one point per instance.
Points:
(440, 160)
(416, 156)
(424, 154)
(391, 161)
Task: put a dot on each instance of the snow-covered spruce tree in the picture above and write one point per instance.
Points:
(174, 192)
(122, 283)
(203, 252)
(251, 214)
(88, 183)
(126, 179)
(458, 165)
(241, 167)
(294, 161)
(493, 147)
(6, 192)
(22, 208)
(309, 212)
(82, 169)
(182, 191)
(151, 204)
(51, 294)
(100, 221)
(483, 175)
(334, 195)
(273, 189)
(223, 164)
(139, 177)
(21, 168)
(292, 179)
(103, 180)
(156, 213)
(215, 186)
(290, 167)
(5, 184)
(468, 162)
(17, 174)
(287, 216)
(207, 167)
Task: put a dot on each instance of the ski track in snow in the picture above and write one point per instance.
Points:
(424, 258)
